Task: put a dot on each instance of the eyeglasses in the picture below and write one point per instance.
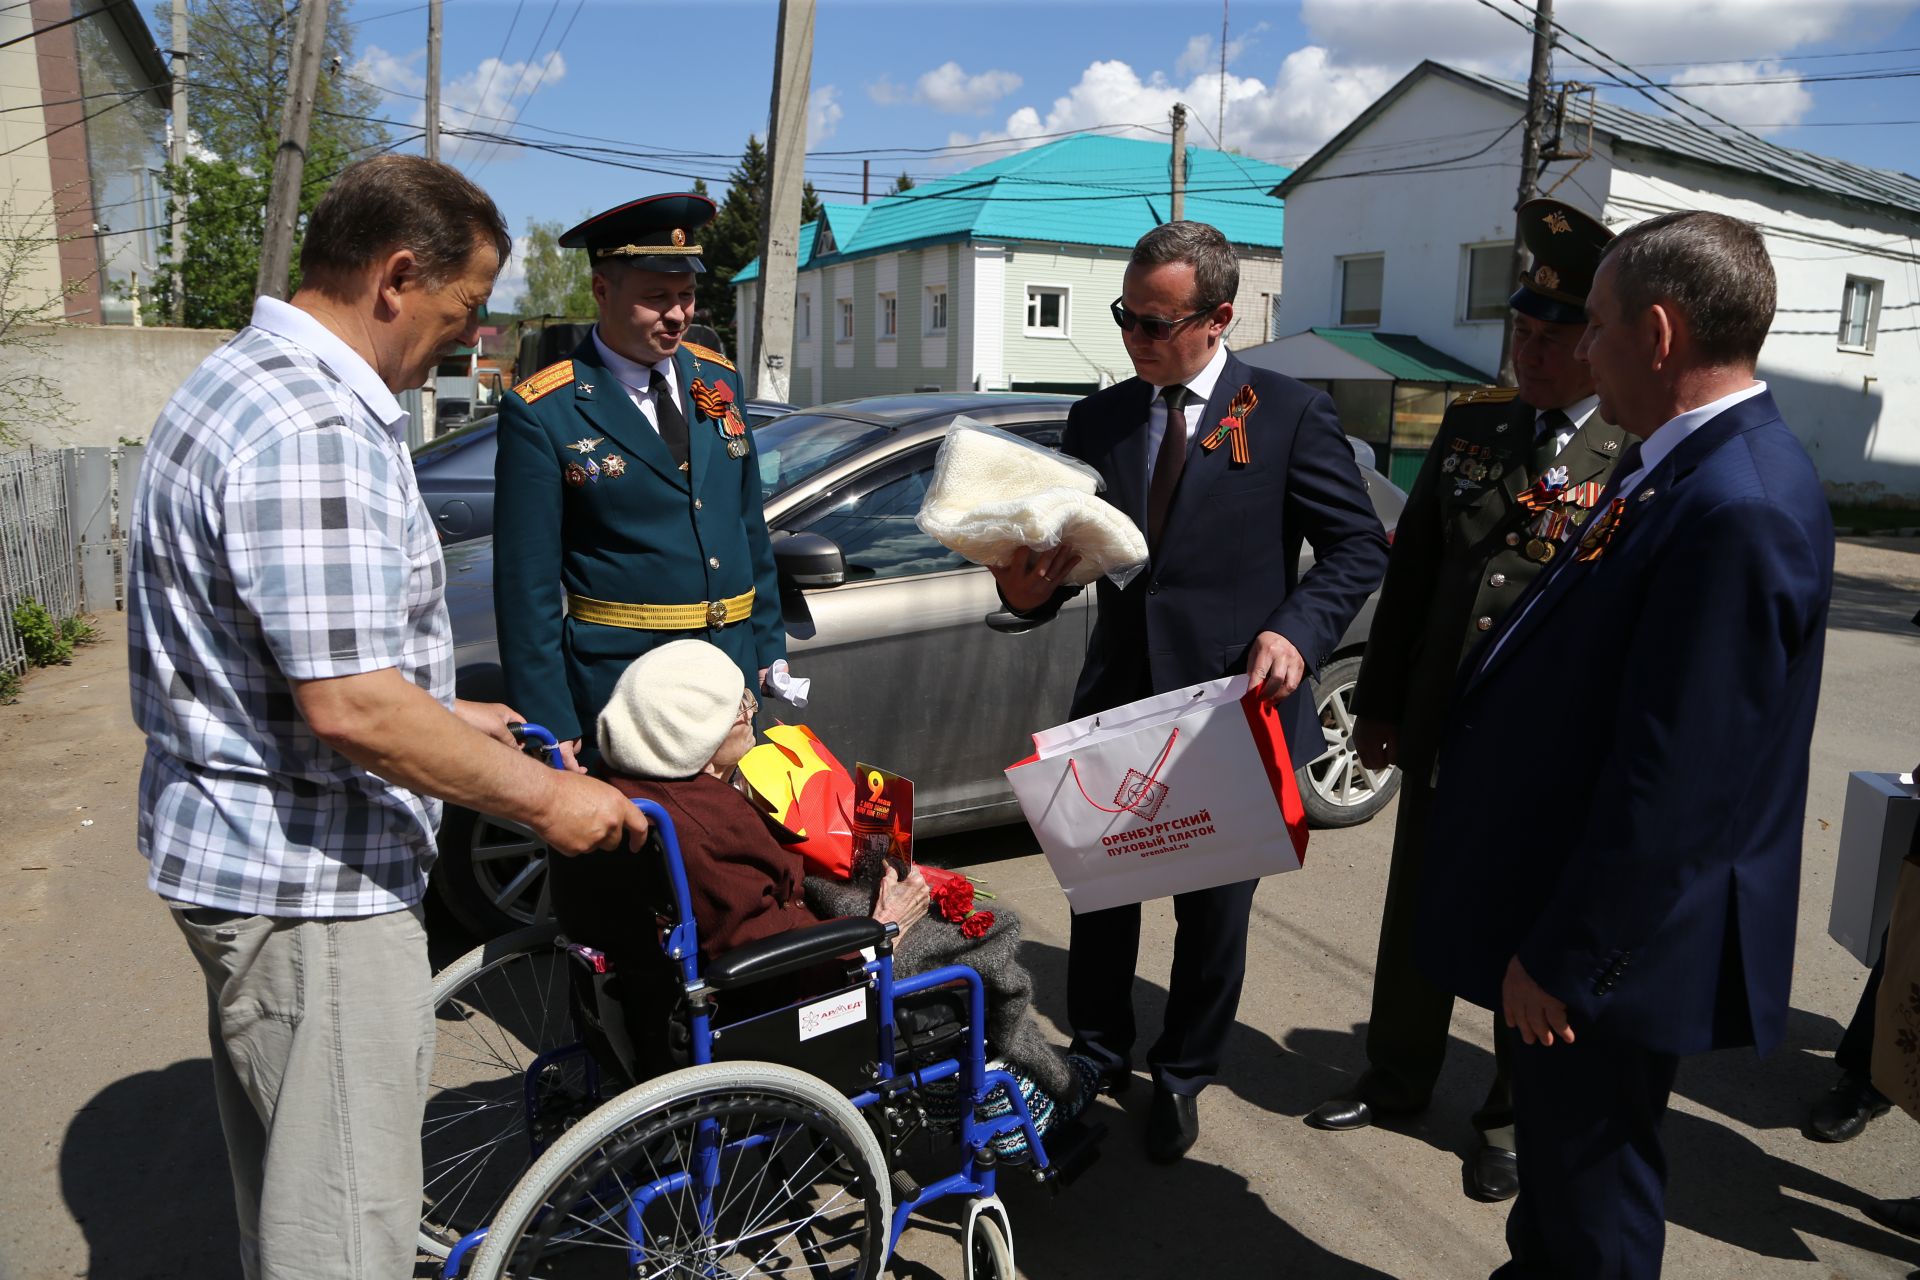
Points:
(1156, 329)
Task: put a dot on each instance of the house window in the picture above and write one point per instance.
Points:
(936, 311)
(803, 317)
(1859, 313)
(889, 317)
(1047, 311)
(1489, 282)
(1360, 288)
(1273, 315)
(846, 320)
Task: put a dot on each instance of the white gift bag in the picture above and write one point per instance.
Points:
(1184, 790)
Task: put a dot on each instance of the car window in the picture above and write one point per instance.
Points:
(801, 445)
(876, 532)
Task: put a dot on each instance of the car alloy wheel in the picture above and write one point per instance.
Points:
(1336, 789)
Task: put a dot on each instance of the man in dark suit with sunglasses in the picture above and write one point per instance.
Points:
(1227, 468)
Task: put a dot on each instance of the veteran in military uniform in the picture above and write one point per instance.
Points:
(1512, 475)
(628, 503)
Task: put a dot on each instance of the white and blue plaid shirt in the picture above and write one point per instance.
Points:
(278, 536)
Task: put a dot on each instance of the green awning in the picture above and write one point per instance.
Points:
(1401, 356)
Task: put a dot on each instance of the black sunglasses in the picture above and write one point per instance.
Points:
(1156, 329)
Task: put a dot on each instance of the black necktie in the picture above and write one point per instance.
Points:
(1167, 463)
(1546, 445)
(673, 423)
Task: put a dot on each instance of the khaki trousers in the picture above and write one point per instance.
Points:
(322, 1037)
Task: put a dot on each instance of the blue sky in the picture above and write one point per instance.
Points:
(688, 82)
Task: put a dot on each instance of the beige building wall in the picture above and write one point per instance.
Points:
(26, 187)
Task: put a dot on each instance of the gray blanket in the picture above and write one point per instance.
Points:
(932, 942)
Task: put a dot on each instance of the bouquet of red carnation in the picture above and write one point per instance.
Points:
(976, 924)
(953, 901)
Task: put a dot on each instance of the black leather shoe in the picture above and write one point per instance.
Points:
(1843, 1111)
(1352, 1111)
(1172, 1125)
(1493, 1173)
(1899, 1215)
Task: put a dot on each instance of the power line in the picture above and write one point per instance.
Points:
(499, 59)
(64, 22)
(545, 66)
(1785, 57)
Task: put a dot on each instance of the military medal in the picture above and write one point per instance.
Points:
(586, 444)
(613, 465)
(1594, 545)
(1452, 463)
(592, 469)
(716, 403)
(1540, 550)
(576, 475)
(1233, 428)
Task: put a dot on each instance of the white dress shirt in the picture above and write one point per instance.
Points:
(1199, 391)
(637, 379)
(1577, 414)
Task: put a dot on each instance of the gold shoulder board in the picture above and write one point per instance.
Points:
(551, 378)
(1487, 395)
(709, 355)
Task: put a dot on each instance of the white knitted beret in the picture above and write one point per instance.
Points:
(671, 710)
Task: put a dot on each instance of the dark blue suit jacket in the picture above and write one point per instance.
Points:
(1227, 566)
(1622, 785)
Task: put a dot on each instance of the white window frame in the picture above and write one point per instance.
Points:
(886, 317)
(1465, 300)
(803, 317)
(1847, 292)
(1034, 290)
(844, 330)
(936, 305)
(1340, 289)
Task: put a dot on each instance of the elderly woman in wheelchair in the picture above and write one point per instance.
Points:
(774, 1095)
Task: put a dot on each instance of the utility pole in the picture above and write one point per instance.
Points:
(433, 79)
(1536, 127)
(786, 176)
(1179, 161)
(866, 180)
(177, 158)
(1220, 122)
(290, 161)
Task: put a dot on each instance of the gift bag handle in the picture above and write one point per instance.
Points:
(1073, 767)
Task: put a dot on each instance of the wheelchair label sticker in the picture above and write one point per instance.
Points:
(822, 1016)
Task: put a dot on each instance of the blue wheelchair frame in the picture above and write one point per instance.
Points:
(978, 1173)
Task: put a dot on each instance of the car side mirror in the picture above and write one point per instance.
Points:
(810, 560)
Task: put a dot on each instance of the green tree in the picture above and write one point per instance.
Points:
(810, 208)
(29, 398)
(902, 183)
(559, 281)
(242, 51)
(732, 239)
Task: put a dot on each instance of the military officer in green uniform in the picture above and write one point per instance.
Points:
(627, 490)
(1512, 474)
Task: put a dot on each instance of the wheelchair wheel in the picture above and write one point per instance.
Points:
(989, 1242)
(508, 1077)
(735, 1169)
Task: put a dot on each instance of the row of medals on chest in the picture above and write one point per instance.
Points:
(1473, 465)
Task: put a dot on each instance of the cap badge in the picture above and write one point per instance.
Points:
(679, 238)
(1557, 222)
(1546, 275)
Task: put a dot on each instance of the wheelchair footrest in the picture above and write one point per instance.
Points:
(1071, 1150)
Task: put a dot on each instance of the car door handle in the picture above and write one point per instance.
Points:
(1007, 622)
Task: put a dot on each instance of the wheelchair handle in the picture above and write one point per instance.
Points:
(536, 736)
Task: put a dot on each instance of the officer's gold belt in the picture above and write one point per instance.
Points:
(662, 617)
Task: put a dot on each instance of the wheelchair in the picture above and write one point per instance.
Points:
(799, 1138)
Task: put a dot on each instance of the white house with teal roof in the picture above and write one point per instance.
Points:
(999, 278)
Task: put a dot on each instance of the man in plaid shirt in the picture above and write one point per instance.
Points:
(292, 667)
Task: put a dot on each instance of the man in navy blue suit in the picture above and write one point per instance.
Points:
(1636, 901)
(1225, 509)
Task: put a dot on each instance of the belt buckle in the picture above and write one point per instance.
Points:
(716, 613)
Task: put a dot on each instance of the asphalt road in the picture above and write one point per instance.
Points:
(111, 1162)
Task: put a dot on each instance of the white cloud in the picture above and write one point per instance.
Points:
(488, 98)
(948, 88)
(512, 280)
(1745, 102)
(824, 113)
(1358, 50)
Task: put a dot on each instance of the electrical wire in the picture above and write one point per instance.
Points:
(64, 22)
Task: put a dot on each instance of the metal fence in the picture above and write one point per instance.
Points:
(62, 539)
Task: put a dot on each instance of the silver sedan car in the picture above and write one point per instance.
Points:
(915, 666)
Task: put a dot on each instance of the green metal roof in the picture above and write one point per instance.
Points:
(1402, 356)
(1089, 190)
